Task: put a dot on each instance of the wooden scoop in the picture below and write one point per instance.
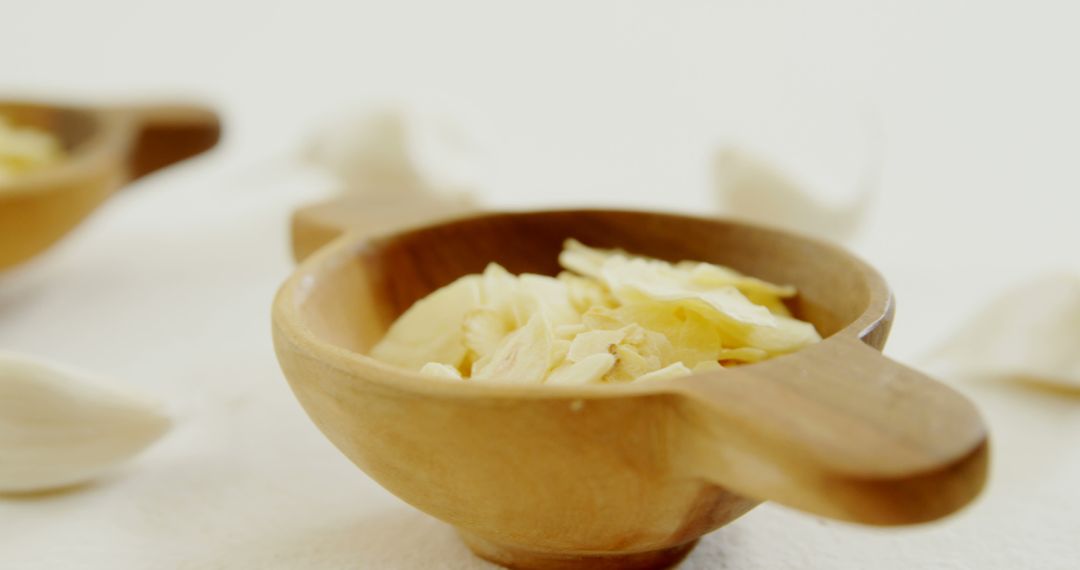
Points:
(628, 475)
(106, 148)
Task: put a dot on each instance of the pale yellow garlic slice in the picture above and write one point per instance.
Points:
(550, 296)
(523, 357)
(666, 373)
(483, 330)
(568, 332)
(711, 275)
(440, 370)
(631, 362)
(498, 292)
(744, 354)
(431, 330)
(584, 260)
(595, 342)
(625, 317)
(586, 292)
(588, 370)
(602, 318)
(787, 336)
(559, 349)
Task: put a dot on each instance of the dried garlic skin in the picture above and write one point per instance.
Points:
(396, 152)
(1029, 332)
(611, 317)
(58, 429)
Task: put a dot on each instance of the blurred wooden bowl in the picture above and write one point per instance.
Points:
(106, 148)
(629, 475)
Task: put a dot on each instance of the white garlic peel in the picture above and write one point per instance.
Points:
(58, 428)
(396, 152)
(749, 187)
(1031, 332)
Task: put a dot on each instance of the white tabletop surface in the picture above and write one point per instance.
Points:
(168, 287)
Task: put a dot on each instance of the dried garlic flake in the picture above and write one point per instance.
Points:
(611, 317)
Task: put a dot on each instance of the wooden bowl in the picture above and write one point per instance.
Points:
(106, 148)
(625, 476)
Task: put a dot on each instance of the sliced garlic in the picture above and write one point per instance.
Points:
(654, 291)
(595, 342)
(666, 373)
(588, 370)
(58, 429)
(431, 330)
(623, 318)
(743, 354)
(440, 370)
(523, 357)
(483, 330)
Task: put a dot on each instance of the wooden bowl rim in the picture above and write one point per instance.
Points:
(288, 323)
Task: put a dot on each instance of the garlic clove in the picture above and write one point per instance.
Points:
(58, 428)
(753, 189)
(1030, 332)
(398, 150)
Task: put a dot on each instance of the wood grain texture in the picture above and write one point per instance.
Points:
(106, 148)
(631, 474)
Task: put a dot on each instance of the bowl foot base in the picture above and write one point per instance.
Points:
(518, 558)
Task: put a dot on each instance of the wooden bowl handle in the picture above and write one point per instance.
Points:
(167, 134)
(839, 430)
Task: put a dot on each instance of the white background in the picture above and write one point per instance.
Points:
(607, 103)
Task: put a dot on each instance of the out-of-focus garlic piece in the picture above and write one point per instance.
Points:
(1031, 332)
(24, 149)
(750, 188)
(57, 428)
(397, 151)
